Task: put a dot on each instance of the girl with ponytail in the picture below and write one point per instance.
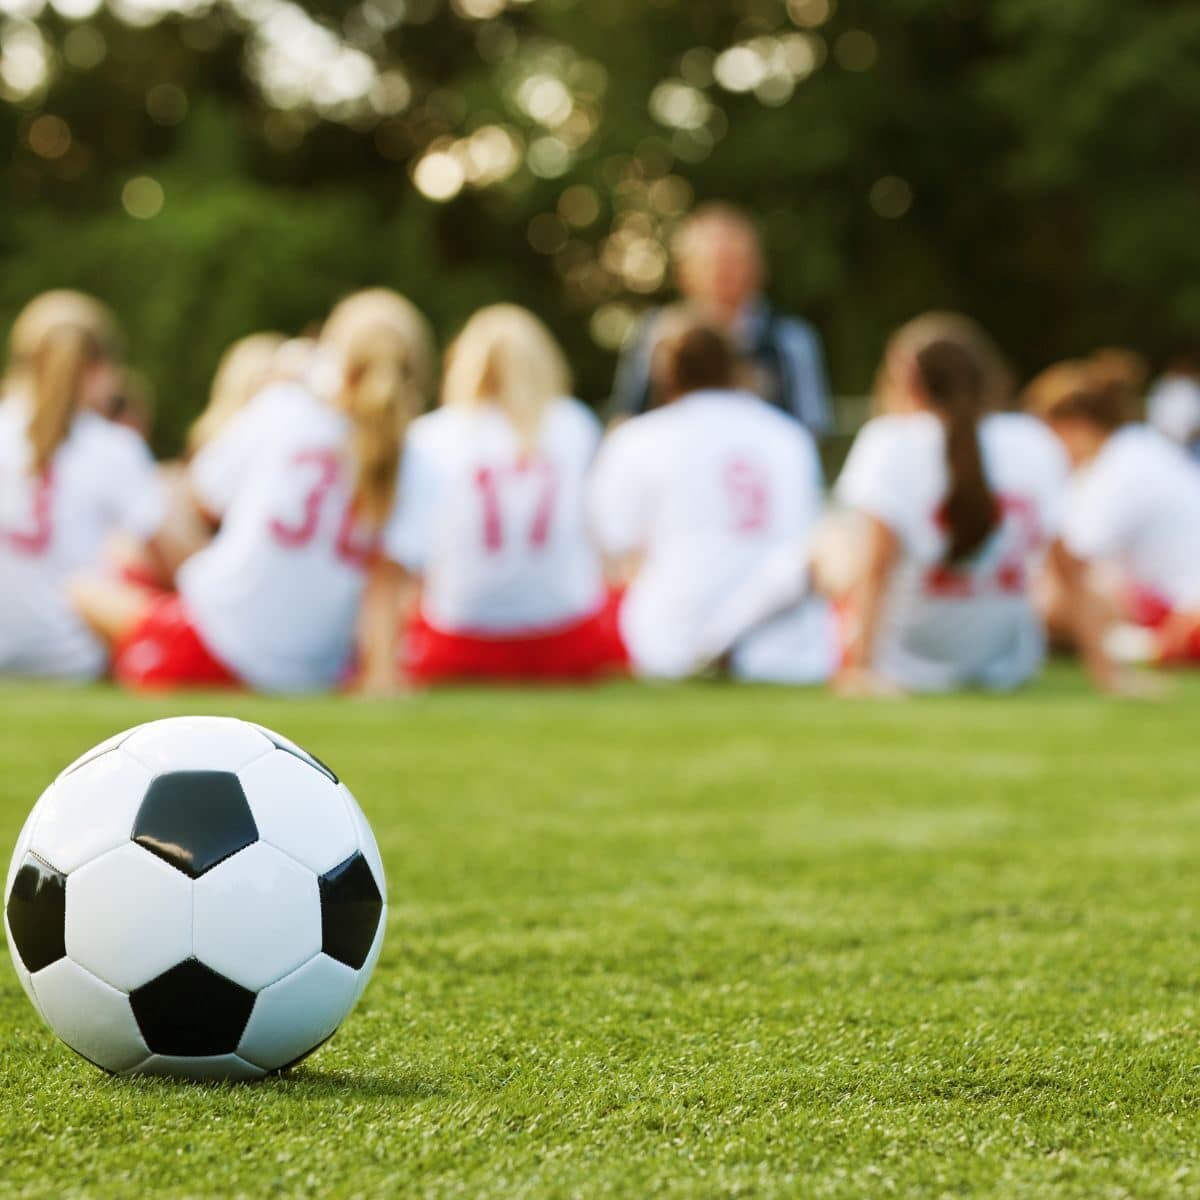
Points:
(1131, 529)
(512, 585)
(948, 503)
(314, 525)
(69, 481)
(954, 503)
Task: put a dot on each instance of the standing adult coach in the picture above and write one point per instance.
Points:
(721, 272)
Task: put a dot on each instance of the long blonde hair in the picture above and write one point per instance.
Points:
(506, 356)
(244, 370)
(53, 342)
(385, 348)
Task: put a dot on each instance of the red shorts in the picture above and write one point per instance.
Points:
(165, 651)
(585, 650)
(1147, 608)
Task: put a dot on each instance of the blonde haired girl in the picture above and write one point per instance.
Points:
(313, 526)
(245, 370)
(69, 480)
(512, 585)
(507, 359)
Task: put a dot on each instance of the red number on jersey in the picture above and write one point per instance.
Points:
(324, 468)
(490, 482)
(1012, 575)
(355, 546)
(749, 494)
(1021, 529)
(352, 545)
(35, 539)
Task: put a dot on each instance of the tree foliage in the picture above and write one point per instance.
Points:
(1031, 163)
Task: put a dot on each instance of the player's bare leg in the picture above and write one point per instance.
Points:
(111, 608)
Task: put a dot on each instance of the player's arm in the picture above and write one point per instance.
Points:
(388, 595)
(880, 554)
(620, 503)
(874, 484)
(1098, 521)
(394, 582)
(1088, 619)
(139, 511)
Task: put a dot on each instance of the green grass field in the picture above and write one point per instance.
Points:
(698, 942)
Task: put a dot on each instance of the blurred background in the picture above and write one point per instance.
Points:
(212, 167)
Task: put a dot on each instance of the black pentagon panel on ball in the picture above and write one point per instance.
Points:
(37, 910)
(350, 909)
(281, 743)
(192, 1011)
(195, 820)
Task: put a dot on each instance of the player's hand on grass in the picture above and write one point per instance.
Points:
(380, 685)
(862, 683)
(1126, 684)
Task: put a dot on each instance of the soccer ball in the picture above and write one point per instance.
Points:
(196, 897)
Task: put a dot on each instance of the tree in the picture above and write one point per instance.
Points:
(212, 168)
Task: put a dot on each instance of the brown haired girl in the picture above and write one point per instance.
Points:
(1133, 507)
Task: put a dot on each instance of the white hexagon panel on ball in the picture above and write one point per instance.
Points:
(256, 917)
(129, 917)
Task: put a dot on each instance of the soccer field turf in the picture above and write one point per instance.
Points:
(697, 942)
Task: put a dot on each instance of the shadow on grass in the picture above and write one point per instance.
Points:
(360, 1085)
(300, 1083)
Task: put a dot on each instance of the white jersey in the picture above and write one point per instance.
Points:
(101, 481)
(972, 623)
(1136, 505)
(1173, 408)
(276, 595)
(704, 492)
(502, 540)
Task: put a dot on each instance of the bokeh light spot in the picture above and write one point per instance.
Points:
(84, 48)
(611, 325)
(549, 157)
(579, 206)
(439, 176)
(49, 136)
(810, 14)
(166, 104)
(856, 50)
(891, 197)
(143, 197)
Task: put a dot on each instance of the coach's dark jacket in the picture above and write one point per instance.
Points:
(784, 352)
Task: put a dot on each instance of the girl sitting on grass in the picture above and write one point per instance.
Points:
(69, 481)
(691, 499)
(246, 369)
(312, 528)
(512, 587)
(1132, 510)
(948, 507)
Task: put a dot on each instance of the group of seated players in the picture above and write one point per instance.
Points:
(326, 531)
